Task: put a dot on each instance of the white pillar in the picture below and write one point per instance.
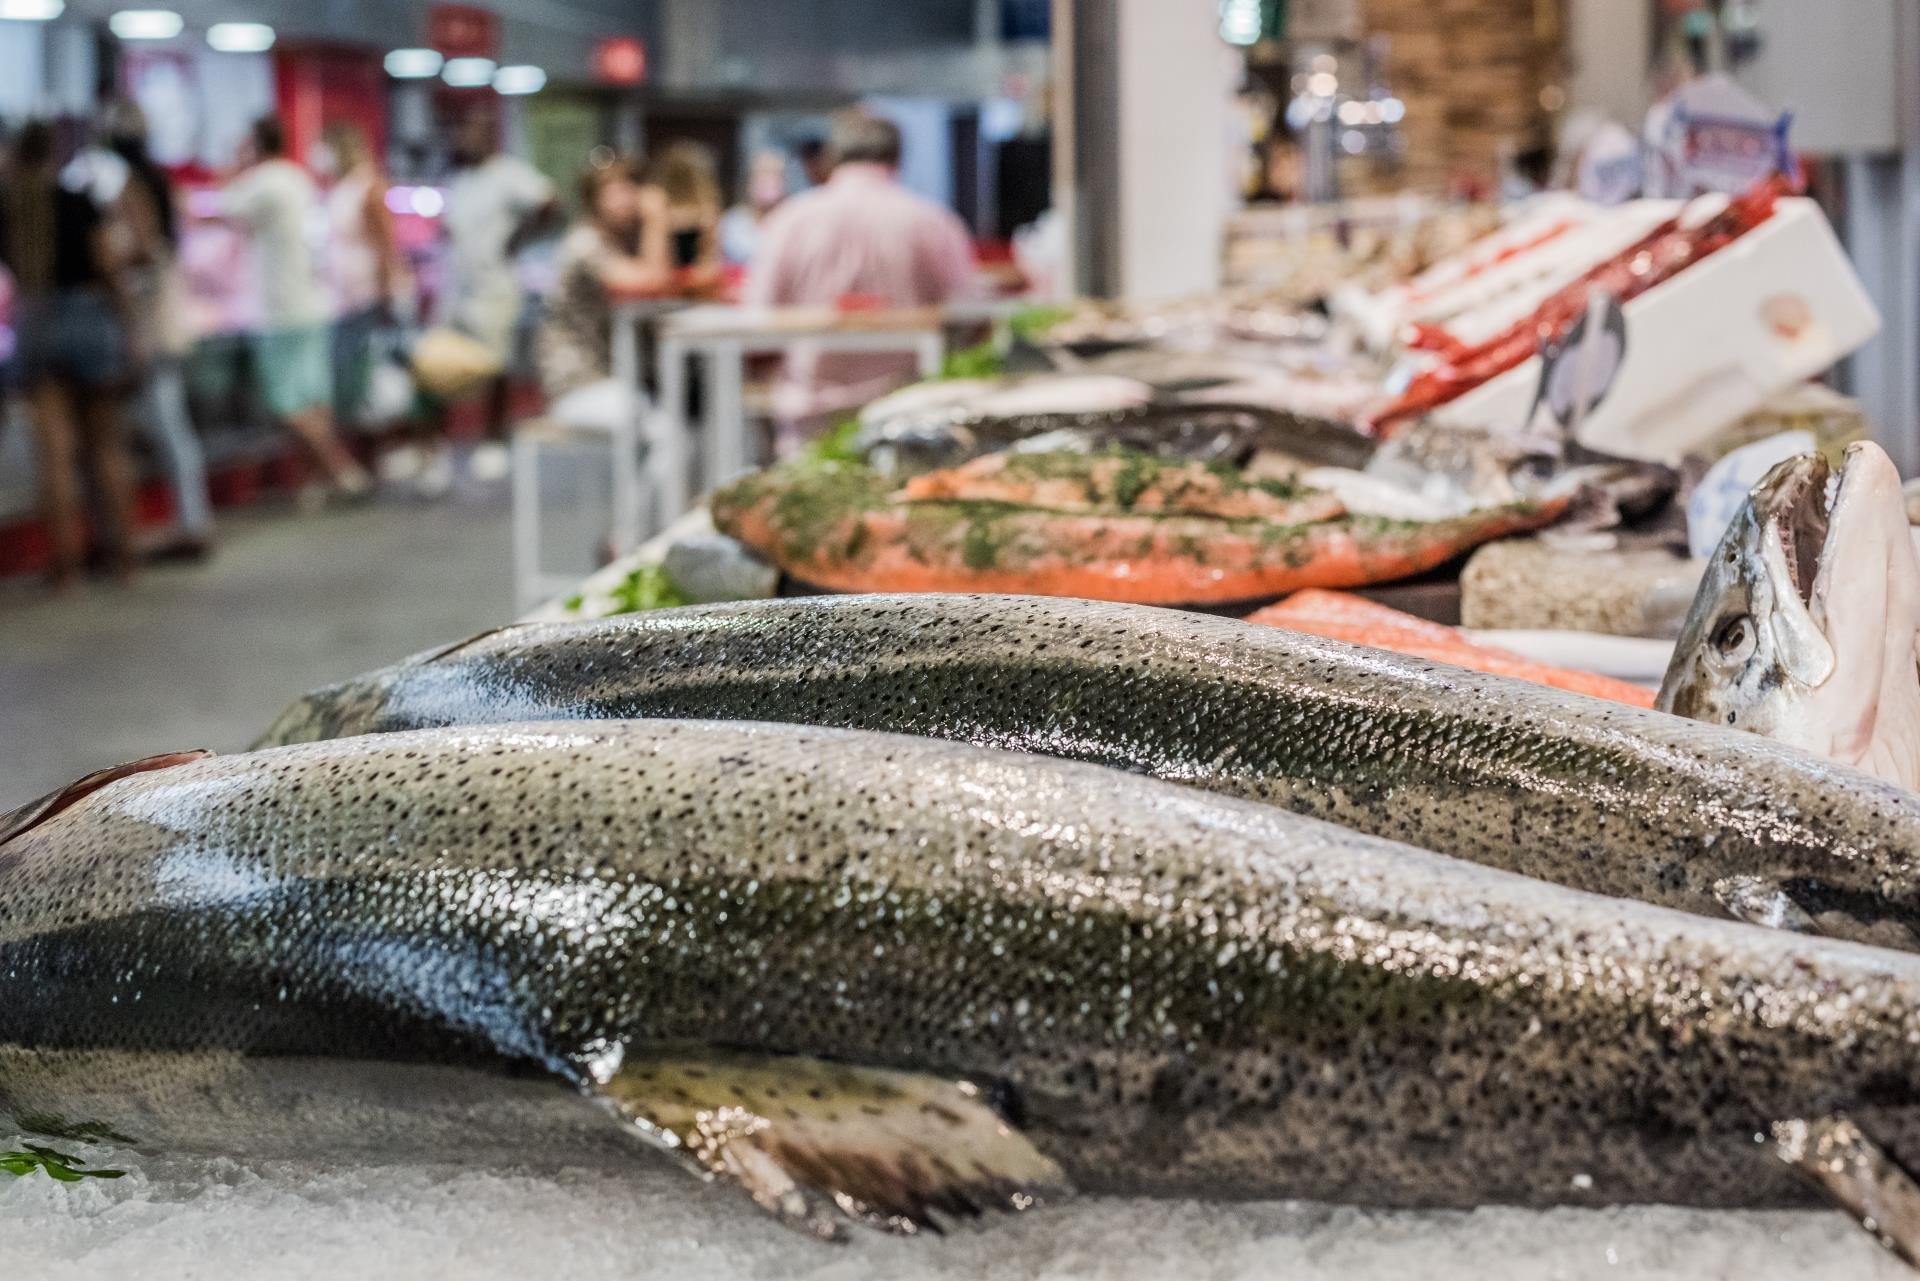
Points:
(1175, 85)
(23, 69)
(1883, 235)
(1064, 92)
(1610, 46)
(73, 69)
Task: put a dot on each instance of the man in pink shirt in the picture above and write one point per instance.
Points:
(859, 236)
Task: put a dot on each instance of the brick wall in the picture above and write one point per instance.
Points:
(1471, 73)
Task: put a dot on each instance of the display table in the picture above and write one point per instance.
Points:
(593, 596)
(724, 337)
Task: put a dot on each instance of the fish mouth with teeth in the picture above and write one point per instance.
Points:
(1800, 507)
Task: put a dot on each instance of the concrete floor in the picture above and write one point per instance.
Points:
(207, 656)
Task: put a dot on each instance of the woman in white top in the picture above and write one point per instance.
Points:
(273, 199)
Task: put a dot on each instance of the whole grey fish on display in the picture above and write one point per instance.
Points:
(1198, 433)
(1807, 625)
(898, 982)
(1590, 794)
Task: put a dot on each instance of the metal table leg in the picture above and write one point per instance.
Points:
(627, 532)
(671, 431)
(931, 348)
(728, 451)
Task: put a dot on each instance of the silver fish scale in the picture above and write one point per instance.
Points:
(1591, 794)
(1170, 991)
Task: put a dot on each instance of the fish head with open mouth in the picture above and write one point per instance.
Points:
(1804, 629)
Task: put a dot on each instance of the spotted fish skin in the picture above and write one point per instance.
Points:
(1173, 992)
(1593, 795)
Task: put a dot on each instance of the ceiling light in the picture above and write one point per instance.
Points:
(32, 10)
(240, 37)
(146, 24)
(516, 82)
(468, 73)
(414, 64)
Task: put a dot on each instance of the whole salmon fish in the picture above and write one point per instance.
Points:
(1136, 483)
(1602, 797)
(896, 981)
(1359, 621)
(841, 527)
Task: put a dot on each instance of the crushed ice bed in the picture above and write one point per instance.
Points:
(178, 1218)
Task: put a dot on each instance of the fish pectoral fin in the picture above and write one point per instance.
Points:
(1759, 901)
(819, 1145)
(1858, 1175)
(427, 658)
(34, 813)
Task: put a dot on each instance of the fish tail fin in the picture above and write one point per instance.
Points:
(819, 1145)
(1859, 1176)
(31, 815)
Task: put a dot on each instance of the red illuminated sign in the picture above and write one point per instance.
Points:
(620, 60)
(464, 31)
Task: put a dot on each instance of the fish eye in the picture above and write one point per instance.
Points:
(1734, 640)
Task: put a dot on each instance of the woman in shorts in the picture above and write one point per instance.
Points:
(71, 361)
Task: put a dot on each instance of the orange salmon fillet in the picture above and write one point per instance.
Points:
(1358, 621)
(836, 527)
(1081, 483)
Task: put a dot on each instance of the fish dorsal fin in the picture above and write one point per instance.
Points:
(429, 657)
(34, 813)
(819, 1145)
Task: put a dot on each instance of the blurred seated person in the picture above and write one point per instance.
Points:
(690, 195)
(619, 251)
(72, 362)
(740, 226)
(861, 236)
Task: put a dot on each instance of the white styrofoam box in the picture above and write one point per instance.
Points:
(1777, 306)
(1478, 292)
(1490, 304)
(1528, 222)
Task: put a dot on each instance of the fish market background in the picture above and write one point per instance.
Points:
(1487, 425)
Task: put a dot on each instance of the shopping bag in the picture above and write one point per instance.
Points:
(449, 365)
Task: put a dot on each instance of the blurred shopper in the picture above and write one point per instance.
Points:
(740, 227)
(684, 174)
(497, 204)
(816, 161)
(275, 201)
(862, 236)
(161, 340)
(364, 265)
(620, 250)
(72, 360)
